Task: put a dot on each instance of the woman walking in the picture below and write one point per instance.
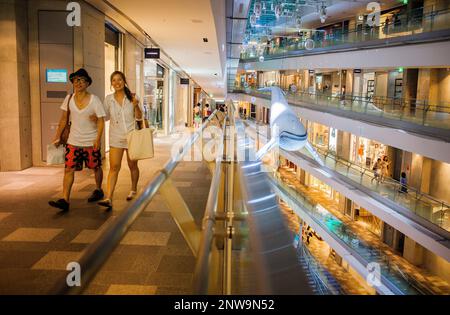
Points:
(123, 110)
(197, 116)
(377, 171)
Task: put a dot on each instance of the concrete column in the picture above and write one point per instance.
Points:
(349, 82)
(443, 86)
(438, 185)
(410, 83)
(381, 84)
(434, 86)
(190, 110)
(433, 96)
(415, 178)
(413, 252)
(343, 144)
(423, 84)
(426, 175)
(438, 22)
(305, 80)
(166, 105)
(15, 120)
(342, 203)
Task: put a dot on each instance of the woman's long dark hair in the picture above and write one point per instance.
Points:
(125, 88)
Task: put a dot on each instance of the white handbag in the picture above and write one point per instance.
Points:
(140, 144)
(55, 155)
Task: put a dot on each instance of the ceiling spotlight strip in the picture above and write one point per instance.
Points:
(149, 38)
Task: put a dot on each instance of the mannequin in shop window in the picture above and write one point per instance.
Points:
(360, 153)
(342, 96)
(385, 168)
(197, 116)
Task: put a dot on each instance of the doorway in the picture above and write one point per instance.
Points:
(112, 50)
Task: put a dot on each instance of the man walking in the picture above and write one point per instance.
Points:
(83, 144)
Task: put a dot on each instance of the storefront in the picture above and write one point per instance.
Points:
(332, 141)
(319, 135)
(318, 184)
(367, 220)
(248, 79)
(269, 78)
(154, 75)
(244, 109)
(365, 151)
(290, 80)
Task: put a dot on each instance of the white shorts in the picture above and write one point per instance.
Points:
(117, 142)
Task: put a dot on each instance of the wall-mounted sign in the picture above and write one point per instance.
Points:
(356, 70)
(56, 75)
(311, 71)
(159, 71)
(152, 53)
(184, 81)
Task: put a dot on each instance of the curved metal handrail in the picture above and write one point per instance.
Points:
(209, 219)
(98, 252)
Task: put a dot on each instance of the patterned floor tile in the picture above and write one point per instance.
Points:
(122, 289)
(86, 237)
(32, 267)
(176, 264)
(55, 260)
(17, 185)
(146, 238)
(4, 215)
(32, 235)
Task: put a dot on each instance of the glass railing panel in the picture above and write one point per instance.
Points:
(435, 211)
(418, 21)
(337, 228)
(427, 207)
(435, 115)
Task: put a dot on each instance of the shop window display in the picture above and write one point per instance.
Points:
(365, 152)
(320, 135)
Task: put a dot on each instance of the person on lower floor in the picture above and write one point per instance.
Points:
(124, 111)
(206, 112)
(403, 183)
(377, 171)
(197, 116)
(83, 144)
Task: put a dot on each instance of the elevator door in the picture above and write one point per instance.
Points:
(55, 64)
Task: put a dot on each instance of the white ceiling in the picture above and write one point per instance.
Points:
(178, 27)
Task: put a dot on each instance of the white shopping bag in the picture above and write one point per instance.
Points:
(140, 144)
(55, 155)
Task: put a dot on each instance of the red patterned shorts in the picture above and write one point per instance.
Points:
(77, 156)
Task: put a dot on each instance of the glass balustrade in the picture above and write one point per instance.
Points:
(390, 272)
(419, 20)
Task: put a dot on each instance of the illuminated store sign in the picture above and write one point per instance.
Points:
(152, 53)
(56, 75)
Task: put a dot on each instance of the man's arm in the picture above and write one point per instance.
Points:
(100, 127)
(62, 124)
